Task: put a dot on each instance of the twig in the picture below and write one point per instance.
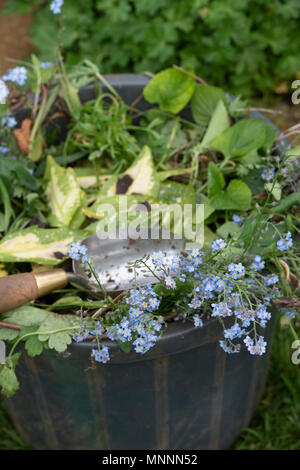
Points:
(199, 79)
(12, 326)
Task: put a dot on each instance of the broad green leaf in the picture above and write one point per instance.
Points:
(218, 124)
(254, 181)
(171, 89)
(8, 381)
(64, 195)
(204, 102)
(228, 229)
(236, 196)
(26, 315)
(241, 138)
(216, 180)
(39, 245)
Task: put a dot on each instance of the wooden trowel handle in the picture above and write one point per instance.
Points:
(19, 289)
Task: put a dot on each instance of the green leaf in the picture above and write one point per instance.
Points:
(8, 210)
(43, 246)
(32, 344)
(64, 195)
(241, 138)
(291, 200)
(276, 191)
(204, 102)
(254, 181)
(26, 315)
(236, 196)
(7, 334)
(125, 346)
(171, 89)
(216, 180)
(228, 229)
(8, 381)
(218, 124)
(59, 341)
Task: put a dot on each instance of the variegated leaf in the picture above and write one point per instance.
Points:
(39, 245)
(64, 195)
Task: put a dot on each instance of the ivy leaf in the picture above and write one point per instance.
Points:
(204, 102)
(8, 381)
(171, 89)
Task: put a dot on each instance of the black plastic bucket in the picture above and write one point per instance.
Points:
(185, 393)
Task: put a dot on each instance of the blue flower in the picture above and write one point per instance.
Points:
(237, 219)
(4, 149)
(197, 321)
(170, 283)
(234, 332)
(286, 243)
(258, 263)
(4, 92)
(271, 280)
(218, 245)
(78, 252)
(45, 65)
(236, 270)
(17, 75)
(81, 336)
(268, 174)
(258, 348)
(229, 349)
(101, 355)
(8, 121)
(55, 6)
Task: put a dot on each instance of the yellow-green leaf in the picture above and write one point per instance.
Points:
(39, 245)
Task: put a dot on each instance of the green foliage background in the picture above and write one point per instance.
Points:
(245, 46)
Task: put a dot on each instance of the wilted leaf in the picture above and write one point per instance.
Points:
(22, 136)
